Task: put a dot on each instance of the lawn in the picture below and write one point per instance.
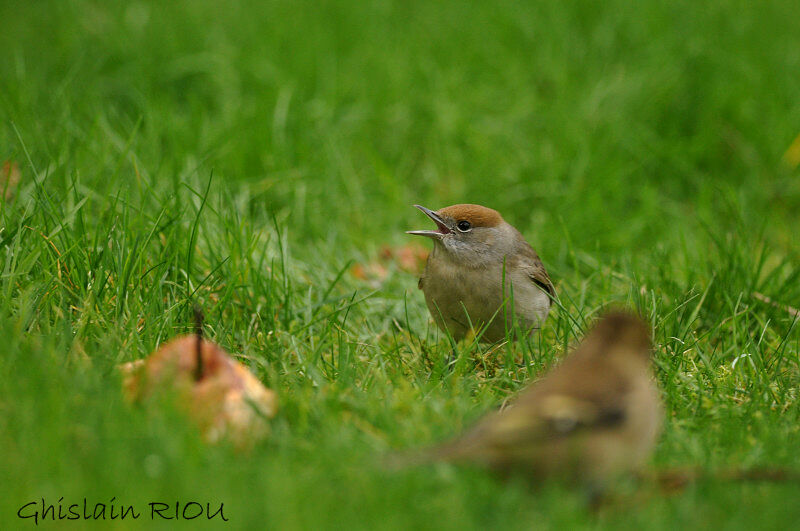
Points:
(256, 157)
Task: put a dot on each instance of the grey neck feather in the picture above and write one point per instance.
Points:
(482, 247)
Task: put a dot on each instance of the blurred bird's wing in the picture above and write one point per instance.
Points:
(581, 396)
(519, 432)
(553, 417)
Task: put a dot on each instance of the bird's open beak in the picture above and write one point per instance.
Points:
(440, 224)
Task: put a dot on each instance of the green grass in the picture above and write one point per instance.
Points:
(242, 154)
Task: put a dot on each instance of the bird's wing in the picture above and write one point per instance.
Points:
(528, 261)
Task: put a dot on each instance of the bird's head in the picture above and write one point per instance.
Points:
(470, 234)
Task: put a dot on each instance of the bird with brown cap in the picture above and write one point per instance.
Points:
(478, 266)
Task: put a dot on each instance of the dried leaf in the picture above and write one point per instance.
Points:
(372, 272)
(9, 178)
(409, 258)
(358, 271)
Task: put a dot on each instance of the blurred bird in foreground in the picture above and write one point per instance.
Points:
(478, 263)
(596, 415)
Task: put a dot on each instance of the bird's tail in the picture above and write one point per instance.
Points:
(451, 451)
(413, 458)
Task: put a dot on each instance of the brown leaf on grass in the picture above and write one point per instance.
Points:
(9, 178)
(371, 271)
(223, 398)
(409, 258)
(358, 271)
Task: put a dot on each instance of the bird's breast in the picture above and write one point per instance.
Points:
(458, 295)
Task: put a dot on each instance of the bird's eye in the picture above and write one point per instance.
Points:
(464, 225)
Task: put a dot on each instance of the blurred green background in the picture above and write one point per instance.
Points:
(246, 154)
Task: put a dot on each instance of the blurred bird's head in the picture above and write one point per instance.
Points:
(619, 332)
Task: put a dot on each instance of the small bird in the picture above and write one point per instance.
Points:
(478, 263)
(596, 415)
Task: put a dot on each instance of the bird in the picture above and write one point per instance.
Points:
(594, 417)
(479, 264)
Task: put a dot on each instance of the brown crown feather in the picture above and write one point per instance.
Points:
(477, 215)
